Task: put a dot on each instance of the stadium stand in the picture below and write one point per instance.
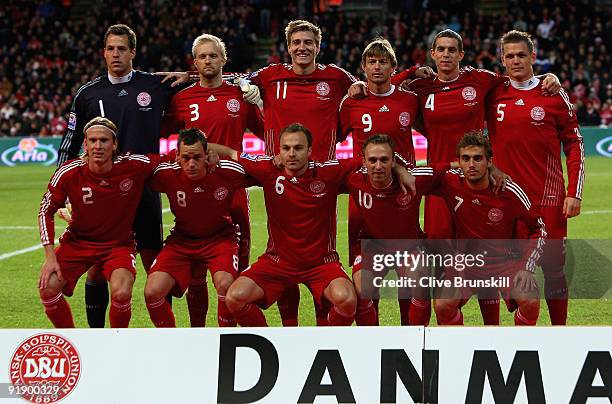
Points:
(49, 48)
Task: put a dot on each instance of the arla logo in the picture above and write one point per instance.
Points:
(45, 368)
(29, 150)
(604, 146)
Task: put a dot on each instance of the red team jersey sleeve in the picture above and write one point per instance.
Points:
(573, 146)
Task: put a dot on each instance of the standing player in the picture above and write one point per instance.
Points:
(479, 213)
(528, 132)
(385, 109)
(135, 101)
(203, 241)
(387, 213)
(104, 190)
(218, 109)
(305, 92)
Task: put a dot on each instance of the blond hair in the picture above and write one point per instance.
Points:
(209, 38)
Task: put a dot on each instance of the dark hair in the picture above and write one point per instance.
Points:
(515, 36)
(475, 138)
(448, 33)
(190, 136)
(379, 47)
(378, 139)
(121, 29)
(297, 127)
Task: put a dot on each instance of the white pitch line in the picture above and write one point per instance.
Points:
(34, 247)
(22, 251)
(596, 212)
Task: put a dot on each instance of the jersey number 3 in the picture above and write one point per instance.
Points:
(195, 112)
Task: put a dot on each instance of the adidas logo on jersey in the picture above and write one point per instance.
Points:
(122, 93)
(383, 109)
(445, 88)
(198, 189)
(294, 180)
(104, 183)
(211, 98)
(476, 202)
(520, 102)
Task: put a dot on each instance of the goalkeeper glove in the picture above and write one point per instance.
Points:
(250, 91)
(66, 213)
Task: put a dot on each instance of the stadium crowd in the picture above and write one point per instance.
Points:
(47, 52)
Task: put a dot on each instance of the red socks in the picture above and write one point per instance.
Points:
(224, 316)
(251, 316)
(288, 305)
(366, 313)
(197, 303)
(489, 308)
(120, 313)
(161, 313)
(335, 318)
(58, 311)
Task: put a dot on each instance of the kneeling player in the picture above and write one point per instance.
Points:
(301, 206)
(478, 213)
(203, 236)
(104, 190)
(388, 213)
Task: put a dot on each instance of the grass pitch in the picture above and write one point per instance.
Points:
(22, 188)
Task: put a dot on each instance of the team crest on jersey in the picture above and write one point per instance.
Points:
(495, 215)
(403, 200)
(468, 93)
(126, 185)
(233, 105)
(221, 193)
(323, 89)
(143, 99)
(317, 186)
(72, 119)
(537, 113)
(404, 119)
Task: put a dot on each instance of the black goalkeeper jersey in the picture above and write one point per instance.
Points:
(136, 107)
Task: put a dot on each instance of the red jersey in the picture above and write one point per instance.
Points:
(390, 213)
(301, 210)
(527, 131)
(219, 112)
(189, 199)
(481, 214)
(391, 113)
(103, 205)
(452, 108)
(311, 100)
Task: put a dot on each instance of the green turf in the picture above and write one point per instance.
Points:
(21, 190)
